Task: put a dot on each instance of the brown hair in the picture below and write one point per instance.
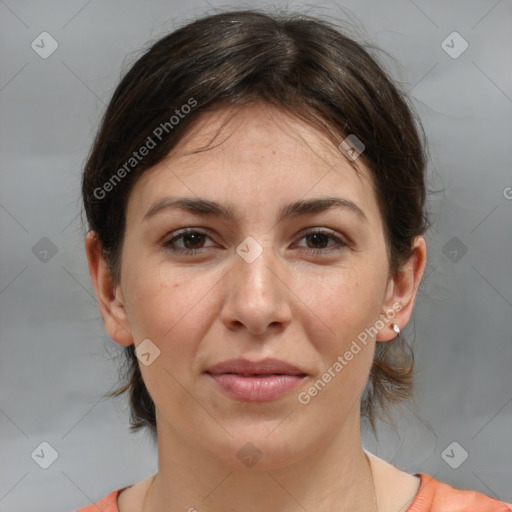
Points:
(310, 69)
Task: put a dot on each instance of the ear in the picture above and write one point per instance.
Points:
(401, 293)
(110, 298)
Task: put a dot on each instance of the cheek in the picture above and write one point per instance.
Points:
(158, 311)
(349, 308)
(346, 300)
(172, 308)
(171, 315)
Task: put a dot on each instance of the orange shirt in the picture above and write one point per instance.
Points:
(432, 496)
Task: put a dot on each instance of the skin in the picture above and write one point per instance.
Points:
(288, 303)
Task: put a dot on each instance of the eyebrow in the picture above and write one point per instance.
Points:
(199, 206)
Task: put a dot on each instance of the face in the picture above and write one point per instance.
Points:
(301, 289)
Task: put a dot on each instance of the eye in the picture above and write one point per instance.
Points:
(193, 239)
(319, 236)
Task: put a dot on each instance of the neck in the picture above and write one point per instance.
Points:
(334, 475)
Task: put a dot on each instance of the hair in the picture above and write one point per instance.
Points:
(310, 69)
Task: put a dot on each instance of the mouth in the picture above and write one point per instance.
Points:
(260, 368)
(259, 374)
(258, 381)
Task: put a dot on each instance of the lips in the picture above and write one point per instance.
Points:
(256, 381)
(248, 368)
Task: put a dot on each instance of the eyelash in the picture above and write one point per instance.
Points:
(169, 245)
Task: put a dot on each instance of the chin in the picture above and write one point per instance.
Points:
(261, 448)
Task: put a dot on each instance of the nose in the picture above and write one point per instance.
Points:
(257, 296)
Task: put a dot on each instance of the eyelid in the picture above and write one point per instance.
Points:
(185, 231)
(341, 241)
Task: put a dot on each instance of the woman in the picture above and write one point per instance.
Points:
(255, 200)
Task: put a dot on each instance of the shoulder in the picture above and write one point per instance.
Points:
(107, 504)
(436, 496)
(127, 499)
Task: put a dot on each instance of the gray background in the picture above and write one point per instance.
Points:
(55, 362)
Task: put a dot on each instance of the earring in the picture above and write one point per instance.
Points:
(396, 328)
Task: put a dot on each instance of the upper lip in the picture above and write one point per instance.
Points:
(267, 366)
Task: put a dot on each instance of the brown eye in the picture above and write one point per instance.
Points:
(321, 237)
(193, 240)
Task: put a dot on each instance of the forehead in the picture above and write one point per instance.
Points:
(253, 157)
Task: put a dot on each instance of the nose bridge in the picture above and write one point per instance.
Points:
(257, 297)
(255, 268)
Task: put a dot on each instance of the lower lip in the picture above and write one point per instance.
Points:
(256, 389)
